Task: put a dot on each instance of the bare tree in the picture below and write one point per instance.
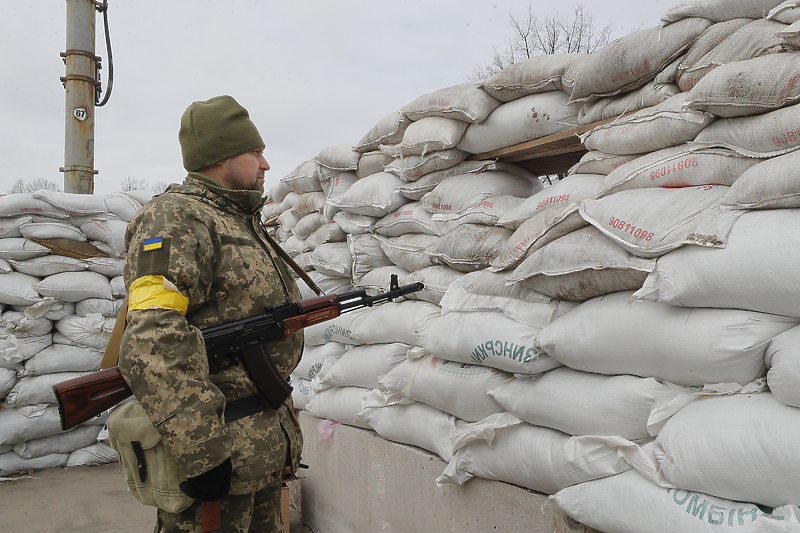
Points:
(549, 35)
(37, 184)
(159, 187)
(134, 184)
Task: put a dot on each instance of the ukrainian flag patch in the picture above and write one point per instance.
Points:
(153, 244)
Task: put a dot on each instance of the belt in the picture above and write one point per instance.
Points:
(243, 407)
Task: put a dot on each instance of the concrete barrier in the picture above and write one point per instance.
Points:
(358, 482)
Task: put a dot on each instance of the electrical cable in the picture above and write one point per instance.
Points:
(103, 8)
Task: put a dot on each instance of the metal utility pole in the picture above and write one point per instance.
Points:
(81, 86)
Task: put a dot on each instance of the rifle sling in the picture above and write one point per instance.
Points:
(265, 375)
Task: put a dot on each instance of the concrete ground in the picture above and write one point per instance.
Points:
(80, 499)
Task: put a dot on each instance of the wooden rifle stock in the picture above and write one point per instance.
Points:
(82, 398)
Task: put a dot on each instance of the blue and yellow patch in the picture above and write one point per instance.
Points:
(153, 244)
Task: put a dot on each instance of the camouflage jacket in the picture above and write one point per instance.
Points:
(208, 245)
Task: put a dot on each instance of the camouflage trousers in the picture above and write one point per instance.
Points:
(257, 512)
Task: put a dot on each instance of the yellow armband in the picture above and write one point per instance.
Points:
(156, 292)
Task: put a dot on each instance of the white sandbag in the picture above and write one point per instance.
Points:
(488, 338)
(5, 267)
(541, 228)
(537, 458)
(301, 391)
(651, 94)
(435, 279)
(458, 193)
(679, 166)
(372, 196)
(756, 251)
(304, 178)
(372, 163)
(787, 12)
(108, 266)
(388, 130)
(661, 126)
(309, 202)
(412, 217)
(409, 251)
(288, 219)
(772, 81)
(118, 290)
(96, 454)
(36, 390)
(534, 75)
(639, 505)
(328, 284)
(378, 281)
(10, 226)
(615, 334)
(17, 288)
(21, 326)
(75, 286)
(336, 186)
(755, 39)
(362, 366)
(582, 403)
(277, 209)
(8, 378)
(597, 162)
(488, 212)
(765, 135)
(570, 190)
(710, 39)
(455, 388)
(631, 61)
(467, 102)
(15, 350)
(110, 232)
(718, 10)
(74, 204)
(123, 205)
(15, 205)
(48, 265)
(106, 308)
(308, 225)
(49, 308)
(314, 357)
(367, 255)
(413, 167)
(46, 229)
(62, 358)
(651, 222)
(66, 442)
(771, 184)
(11, 463)
(340, 404)
(428, 134)
(782, 358)
(416, 424)
(581, 265)
(425, 184)
(470, 247)
(698, 445)
(791, 35)
(339, 157)
(92, 331)
(294, 246)
(326, 233)
(141, 196)
(354, 224)
(16, 427)
(333, 259)
(20, 248)
(525, 119)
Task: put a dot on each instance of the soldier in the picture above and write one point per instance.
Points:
(197, 257)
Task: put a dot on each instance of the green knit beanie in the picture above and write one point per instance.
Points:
(214, 130)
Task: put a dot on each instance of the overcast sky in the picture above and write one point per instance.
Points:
(312, 73)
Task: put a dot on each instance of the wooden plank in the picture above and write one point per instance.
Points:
(565, 142)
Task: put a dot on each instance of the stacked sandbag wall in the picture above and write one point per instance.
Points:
(623, 337)
(61, 261)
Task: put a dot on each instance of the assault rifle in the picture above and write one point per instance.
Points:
(80, 399)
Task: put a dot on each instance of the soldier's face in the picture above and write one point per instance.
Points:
(245, 171)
